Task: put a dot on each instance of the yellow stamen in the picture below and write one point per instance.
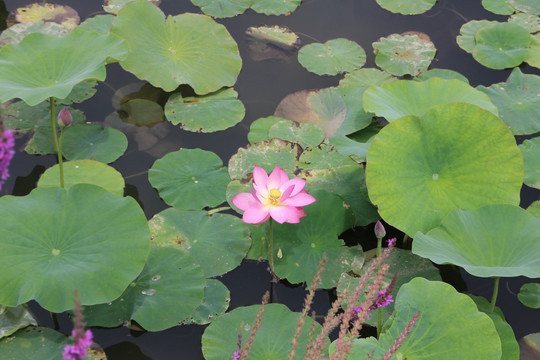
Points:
(275, 197)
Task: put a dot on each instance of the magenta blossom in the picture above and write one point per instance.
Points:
(78, 349)
(7, 143)
(273, 196)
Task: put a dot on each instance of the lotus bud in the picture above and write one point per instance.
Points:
(380, 232)
(64, 117)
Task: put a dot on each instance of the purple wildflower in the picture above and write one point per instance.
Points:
(383, 299)
(391, 242)
(78, 350)
(236, 355)
(7, 143)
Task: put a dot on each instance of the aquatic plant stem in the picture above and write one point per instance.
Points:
(57, 147)
(271, 247)
(379, 246)
(60, 160)
(379, 310)
(216, 210)
(495, 293)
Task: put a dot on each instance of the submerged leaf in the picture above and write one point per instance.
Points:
(271, 42)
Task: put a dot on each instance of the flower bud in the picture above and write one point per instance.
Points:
(380, 232)
(64, 117)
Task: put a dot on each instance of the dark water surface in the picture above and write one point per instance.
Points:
(261, 86)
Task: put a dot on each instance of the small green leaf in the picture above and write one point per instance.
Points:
(93, 142)
(529, 295)
(333, 57)
(407, 7)
(306, 134)
(215, 302)
(467, 33)
(275, 7)
(499, 7)
(258, 131)
(531, 158)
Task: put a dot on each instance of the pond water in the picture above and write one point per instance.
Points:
(261, 86)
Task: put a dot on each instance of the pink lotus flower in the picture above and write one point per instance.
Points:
(273, 196)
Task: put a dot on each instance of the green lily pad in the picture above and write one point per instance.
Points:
(404, 54)
(274, 7)
(141, 112)
(467, 33)
(15, 318)
(534, 208)
(258, 130)
(333, 57)
(518, 101)
(531, 158)
(33, 343)
(529, 295)
(41, 66)
(533, 56)
(497, 240)
(306, 134)
(439, 304)
(213, 112)
(52, 237)
(114, 6)
(271, 42)
(215, 302)
(441, 73)
(499, 7)
(324, 107)
(408, 7)
(222, 8)
(219, 242)
(84, 172)
(272, 341)
(501, 45)
(94, 142)
(100, 23)
(527, 21)
(167, 291)
(526, 6)
(349, 147)
(190, 179)
(406, 265)
(81, 92)
(14, 34)
(404, 97)
(184, 49)
(455, 156)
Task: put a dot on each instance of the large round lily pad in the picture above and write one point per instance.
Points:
(531, 158)
(496, 240)
(272, 341)
(168, 291)
(404, 97)
(93, 142)
(190, 179)
(54, 241)
(333, 57)
(218, 242)
(407, 7)
(185, 49)
(41, 66)
(454, 156)
(467, 33)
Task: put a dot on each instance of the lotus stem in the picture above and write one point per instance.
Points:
(60, 160)
(271, 247)
(495, 293)
(216, 210)
(379, 246)
(57, 147)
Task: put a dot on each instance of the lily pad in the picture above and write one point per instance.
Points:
(533, 56)
(526, 6)
(42, 66)
(218, 243)
(497, 240)
(33, 343)
(349, 147)
(306, 134)
(404, 54)
(15, 318)
(100, 23)
(51, 237)
(14, 34)
(275, 7)
(167, 291)
(333, 57)
(499, 7)
(467, 33)
(409, 7)
(404, 97)
(439, 304)
(213, 112)
(185, 49)
(190, 179)
(141, 112)
(534, 208)
(271, 42)
(531, 158)
(84, 172)
(215, 302)
(273, 340)
(93, 142)
(527, 21)
(114, 6)
(529, 295)
(518, 101)
(222, 8)
(258, 130)
(501, 45)
(441, 73)
(324, 107)
(455, 156)
(60, 14)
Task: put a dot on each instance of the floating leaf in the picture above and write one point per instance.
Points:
(190, 179)
(51, 237)
(408, 7)
(531, 158)
(222, 8)
(60, 14)
(271, 42)
(258, 130)
(275, 7)
(324, 107)
(333, 57)
(33, 343)
(100, 23)
(218, 242)
(518, 101)
(307, 134)
(441, 73)
(81, 92)
(15, 318)
(467, 33)
(404, 97)
(529, 295)
(94, 142)
(114, 6)
(41, 66)
(497, 240)
(215, 302)
(501, 45)
(533, 56)
(273, 340)
(212, 112)
(527, 21)
(439, 304)
(499, 7)
(404, 54)
(534, 208)
(167, 291)
(84, 172)
(184, 49)
(455, 156)
(526, 6)
(349, 147)
(14, 34)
